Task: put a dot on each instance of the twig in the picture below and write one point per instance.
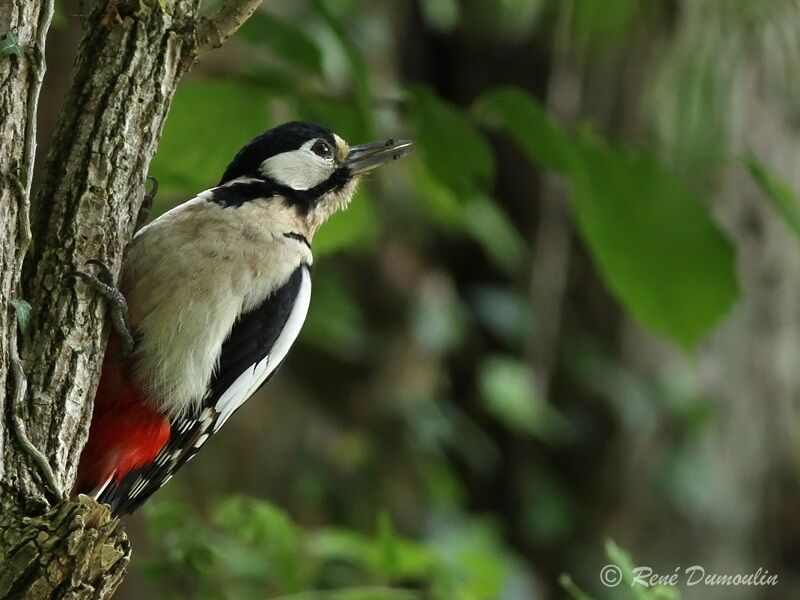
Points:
(21, 386)
(38, 67)
(212, 32)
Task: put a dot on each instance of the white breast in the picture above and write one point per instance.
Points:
(188, 276)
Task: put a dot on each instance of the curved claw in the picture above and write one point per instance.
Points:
(153, 189)
(99, 263)
(103, 283)
(105, 275)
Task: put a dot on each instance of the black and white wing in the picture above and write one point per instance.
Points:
(256, 346)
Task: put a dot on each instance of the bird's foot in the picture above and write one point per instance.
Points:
(103, 283)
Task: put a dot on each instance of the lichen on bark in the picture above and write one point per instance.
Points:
(74, 550)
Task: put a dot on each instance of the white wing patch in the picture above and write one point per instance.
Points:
(251, 379)
(234, 395)
(96, 493)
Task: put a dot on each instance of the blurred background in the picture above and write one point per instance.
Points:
(565, 333)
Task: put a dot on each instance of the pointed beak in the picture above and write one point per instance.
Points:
(366, 157)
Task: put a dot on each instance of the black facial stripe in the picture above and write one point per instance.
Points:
(237, 193)
(335, 182)
(305, 200)
(234, 195)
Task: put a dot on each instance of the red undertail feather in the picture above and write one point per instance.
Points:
(126, 431)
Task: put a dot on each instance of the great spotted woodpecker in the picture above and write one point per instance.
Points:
(217, 290)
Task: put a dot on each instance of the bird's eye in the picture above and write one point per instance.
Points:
(322, 149)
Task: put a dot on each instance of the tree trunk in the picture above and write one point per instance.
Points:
(20, 77)
(130, 60)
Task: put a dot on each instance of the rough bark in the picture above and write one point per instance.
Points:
(75, 548)
(20, 77)
(130, 60)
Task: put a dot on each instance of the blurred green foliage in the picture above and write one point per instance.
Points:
(777, 191)
(435, 370)
(652, 237)
(654, 242)
(624, 586)
(251, 549)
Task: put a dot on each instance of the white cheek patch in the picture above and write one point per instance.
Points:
(298, 169)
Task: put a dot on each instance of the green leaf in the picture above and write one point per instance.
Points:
(455, 152)
(487, 223)
(288, 42)
(263, 528)
(508, 392)
(10, 45)
(623, 560)
(509, 22)
(565, 581)
(652, 238)
(599, 24)
(781, 195)
(519, 114)
(388, 555)
(387, 547)
(653, 241)
(618, 556)
(23, 311)
(441, 15)
(472, 551)
(192, 153)
(440, 202)
(358, 66)
(341, 545)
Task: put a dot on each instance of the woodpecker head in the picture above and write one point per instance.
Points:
(311, 167)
